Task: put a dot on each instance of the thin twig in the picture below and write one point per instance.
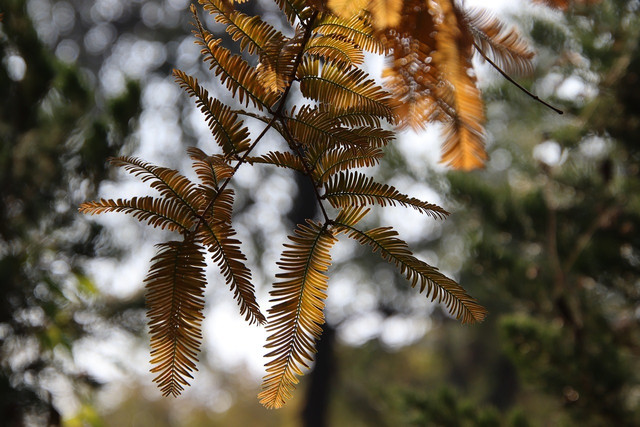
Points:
(518, 85)
(235, 169)
(278, 114)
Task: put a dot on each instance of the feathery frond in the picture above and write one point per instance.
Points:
(296, 319)
(355, 189)
(163, 213)
(413, 78)
(225, 126)
(169, 183)
(175, 288)
(336, 49)
(345, 158)
(251, 31)
(342, 88)
(355, 117)
(319, 129)
(280, 159)
(429, 77)
(233, 71)
(211, 170)
(355, 29)
(293, 9)
(464, 144)
(505, 45)
(217, 237)
(436, 284)
(278, 62)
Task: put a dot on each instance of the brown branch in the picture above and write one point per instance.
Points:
(235, 169)
(518, 85)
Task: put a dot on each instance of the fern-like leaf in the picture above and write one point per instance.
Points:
(281, 159)
(436, 284)
(505, 45)
(163, 213)
(252, 32)
(293, 9)
(279, 61)
(356, 29)
(224, 124)
(233, 71)
(296, 319)
(317, 129)
(210, 169)
(342, 88)
(412, 77)
(354, 189)
(335, 49)
(217, 237)
(175, 287)
(345, 158)
(354, 117)
(464, 139)
(169, 182)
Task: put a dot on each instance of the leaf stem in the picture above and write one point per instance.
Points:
(235, 169)
(518, 85)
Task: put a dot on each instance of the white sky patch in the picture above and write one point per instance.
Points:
(421, 148)
(15, 66)
(361, 329)
(231, 342)
(595, 147)
(400, 331)
(550, 153)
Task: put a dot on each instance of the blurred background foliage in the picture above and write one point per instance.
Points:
(546, 237)
(55, 132)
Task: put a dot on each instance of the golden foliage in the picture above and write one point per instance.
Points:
(163, 213)
(464, 142)
(296, 318)
(429, 76)
(430, 44)
(225, 126)
(336, 49)
(251, 32)
(355, 28)
(504, 44)
(175, 288)
(233, 71)
(218, 238)
(396, 251)
(353, 189)
(340, 88)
